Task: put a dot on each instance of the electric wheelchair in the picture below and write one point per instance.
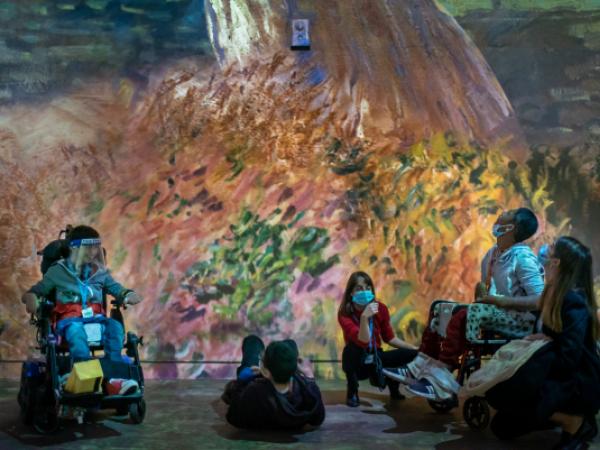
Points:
(42, 397)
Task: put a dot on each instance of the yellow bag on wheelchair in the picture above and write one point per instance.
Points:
(85, 377)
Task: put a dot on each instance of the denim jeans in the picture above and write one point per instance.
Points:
(73, 332)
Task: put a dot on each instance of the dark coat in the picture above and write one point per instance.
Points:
(563, 376)
(257, 405)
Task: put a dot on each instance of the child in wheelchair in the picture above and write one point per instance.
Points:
(76, 283)
(505, 304)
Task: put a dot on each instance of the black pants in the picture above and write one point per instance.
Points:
(508, 425)
(355, 369)
(252, 348)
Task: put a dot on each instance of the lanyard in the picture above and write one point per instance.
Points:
(83, 292)
(84, 289)
(371, 334)
(371, 337)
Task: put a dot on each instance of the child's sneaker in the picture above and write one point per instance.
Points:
(120, 386)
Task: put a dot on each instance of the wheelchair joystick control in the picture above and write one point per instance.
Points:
(52, 339)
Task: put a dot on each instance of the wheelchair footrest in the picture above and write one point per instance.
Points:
(490, 341)
(120, 398)
(86, 400)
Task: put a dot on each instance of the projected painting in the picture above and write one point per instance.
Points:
(237, 183)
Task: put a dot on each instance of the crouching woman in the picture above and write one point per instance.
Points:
(560, 384)
(365, 322)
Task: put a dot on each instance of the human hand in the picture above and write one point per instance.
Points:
(480, 291)
(370, 310)
(490, 300)
(132, 298)
(535, 337)
(31, 302)
(255, 370)
(305, 367)
(399, 343)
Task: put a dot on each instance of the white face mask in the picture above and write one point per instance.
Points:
(544, 254)
(501, 230)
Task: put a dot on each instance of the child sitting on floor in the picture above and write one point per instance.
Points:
(271, 390)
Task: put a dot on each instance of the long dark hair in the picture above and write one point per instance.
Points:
(574, 272)
(345, 308)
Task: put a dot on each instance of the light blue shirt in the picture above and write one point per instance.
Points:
(516, 273)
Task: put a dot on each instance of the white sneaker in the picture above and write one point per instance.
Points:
(120, 386)
(401, 374)
(423, 388)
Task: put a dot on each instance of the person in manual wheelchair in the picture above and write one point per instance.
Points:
(559, 384)
(365, 322)
(77, 283)
(512, 280)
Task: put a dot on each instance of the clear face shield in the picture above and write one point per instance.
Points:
(87, 257)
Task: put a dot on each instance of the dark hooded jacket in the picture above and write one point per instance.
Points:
(256, 404)
(562, 376)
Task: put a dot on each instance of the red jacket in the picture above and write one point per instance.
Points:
(381, 327)
(66, 310)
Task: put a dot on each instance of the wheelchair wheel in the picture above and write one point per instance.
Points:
(137, 411)
(45, 420)
(476, 413)
(26, 400)
(444, 406)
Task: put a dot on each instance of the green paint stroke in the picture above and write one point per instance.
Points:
(462, 7)
(152, 201)
(119, 258)
(94, 207)
(236, 158)
(251, 269)
(525, 5)
(156, 252)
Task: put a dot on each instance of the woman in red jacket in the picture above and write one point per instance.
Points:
(365, 322)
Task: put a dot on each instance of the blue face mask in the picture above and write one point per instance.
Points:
(363, 298)
(501, 230)
(544, 254)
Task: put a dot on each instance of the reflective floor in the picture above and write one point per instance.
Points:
(189, 415)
